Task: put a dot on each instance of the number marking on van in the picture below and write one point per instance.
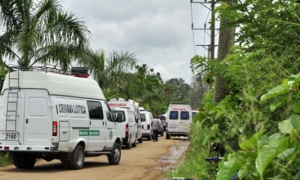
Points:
(10, 136)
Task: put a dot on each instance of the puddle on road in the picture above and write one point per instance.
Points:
(169, 160)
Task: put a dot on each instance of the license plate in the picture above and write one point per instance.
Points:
(9, 136)
(172, 127)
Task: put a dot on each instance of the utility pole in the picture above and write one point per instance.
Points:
(212, 30)
(226, 41)
(209, 47)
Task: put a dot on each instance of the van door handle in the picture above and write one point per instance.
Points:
(26, 121)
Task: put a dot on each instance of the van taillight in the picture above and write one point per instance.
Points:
(148, 126)
(54, 128)
(126, 129)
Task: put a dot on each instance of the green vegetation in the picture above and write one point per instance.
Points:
(4, 159)
(258, 120)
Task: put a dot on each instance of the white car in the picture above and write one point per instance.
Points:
(146, 118)
(127, 126)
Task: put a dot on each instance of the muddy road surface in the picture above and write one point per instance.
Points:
(147, 161)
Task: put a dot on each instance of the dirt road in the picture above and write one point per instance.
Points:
(148, 161)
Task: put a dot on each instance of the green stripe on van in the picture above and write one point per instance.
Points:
(89, 132)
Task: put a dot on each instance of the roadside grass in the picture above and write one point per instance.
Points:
(194, 165)
(4, 159)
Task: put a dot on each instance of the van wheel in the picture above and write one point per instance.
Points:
(23, 161)
(168, 136)
(16, 160)
(162, 134)
(77, 158)
(26, 161)
(149, 138)
(141, 140)
(128, 145)
(115, 156)
(134, 144)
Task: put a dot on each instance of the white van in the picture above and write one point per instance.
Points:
(179, 118)
(127, 126)
(146, 118)
(53, 116)
(133, 106)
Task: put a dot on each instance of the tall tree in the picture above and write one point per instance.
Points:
(110, 72)
(226, 41)
(40, 32)
(178, 90)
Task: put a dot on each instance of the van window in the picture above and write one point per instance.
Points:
(174, 115)
(150, 114)
(143, 117)
(184, 115)
(121, 114)
(109, 113)
(95, 109)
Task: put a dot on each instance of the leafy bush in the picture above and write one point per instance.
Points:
(275, 156)
(4, 159)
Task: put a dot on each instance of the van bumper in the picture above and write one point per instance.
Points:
(146, 133)
(28, 148)
(172, 133)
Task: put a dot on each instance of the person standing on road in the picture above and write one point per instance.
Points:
(155, 124)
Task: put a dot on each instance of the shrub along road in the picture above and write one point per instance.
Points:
(148, 161)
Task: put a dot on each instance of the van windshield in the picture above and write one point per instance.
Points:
(120, 114)
(143, 117)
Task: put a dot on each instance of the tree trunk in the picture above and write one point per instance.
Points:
(226, 41)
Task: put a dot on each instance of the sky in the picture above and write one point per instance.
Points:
(157, 31)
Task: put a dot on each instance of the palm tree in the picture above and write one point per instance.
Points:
(111, 72)
(40, 32)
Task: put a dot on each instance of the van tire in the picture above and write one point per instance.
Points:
(16, 160)
(115, 156)
(168, 136)
(141, 140)
(128, 144)
(134, 144)
(77, 158)
(27, 161)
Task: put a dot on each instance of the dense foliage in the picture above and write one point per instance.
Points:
(40, 32)
(258, 121)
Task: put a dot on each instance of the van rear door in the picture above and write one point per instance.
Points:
(38, 118)
(184, 121)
